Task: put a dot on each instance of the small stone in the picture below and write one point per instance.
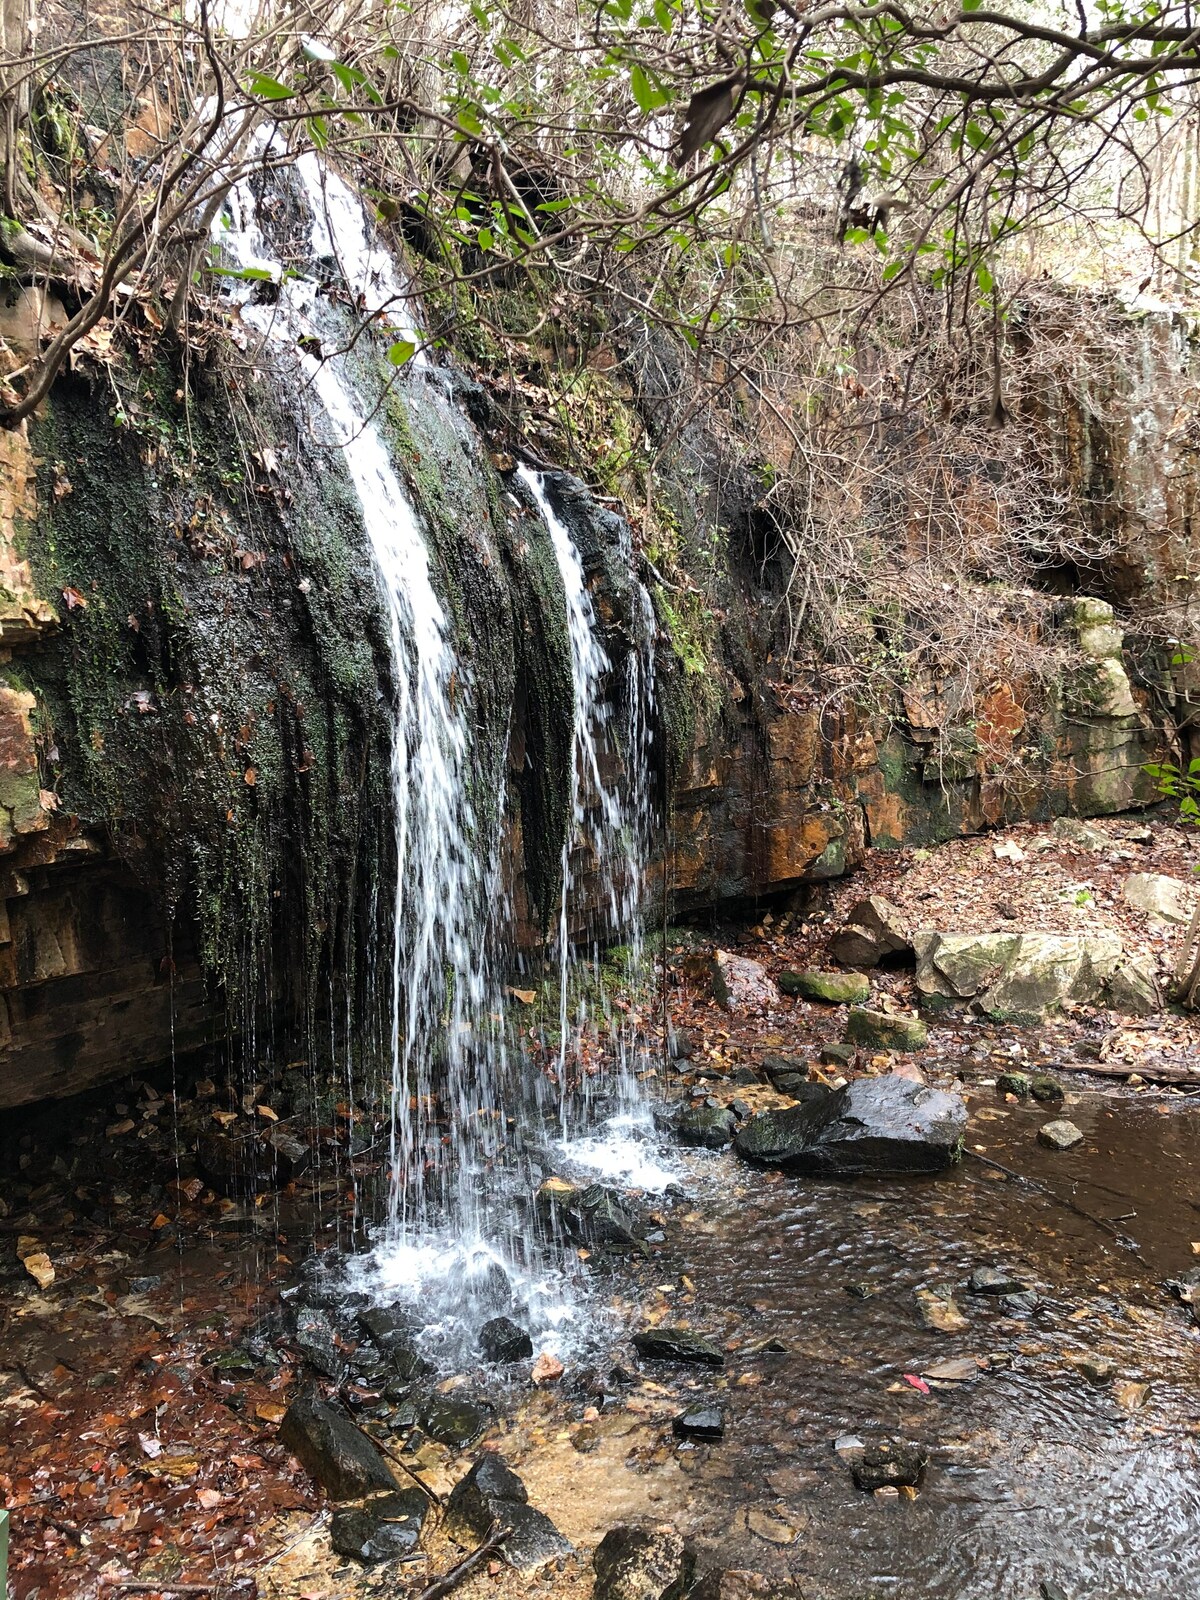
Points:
(1022, 1304)
(893, 1462)
(743, 1077)
(492, 1493)
(677, 1344)
(454, 1422)
(833, 988)
(1060, 1135)
(938, 1310)
(836, 1055)
(994, 1280)
(1046, 1089)
(502, 1341)
(740, 985)
(771, 1528)
(642, 1563)
(681, 1045)
(314, 1339)
(1018, 1084)
(741, 1109)
(1096, 1369)
(703, 1419)
(880, 1030)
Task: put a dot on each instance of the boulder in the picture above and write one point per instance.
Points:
(742, 985)
(329, 1447)
(1046, 1089)
(1083, 835)
(314, 1338)
(1133, 988)
(1162, 898)
(503, 1341)
(391, 1331)
(834, 988)
(873, 1125)
(492, 1493)
(677, 1344)
(836, 1055)
(593, 1215)
(881, 1030)
(706, 1127)
(874, 930)
(383, 1529)
(1018, 1084)
(1014, 977)
(641, 1563)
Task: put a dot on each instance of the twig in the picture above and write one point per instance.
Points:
(166, 1586)
(1102, 1223)
(451, 1579)
(393, 1457)
(1112, 1069)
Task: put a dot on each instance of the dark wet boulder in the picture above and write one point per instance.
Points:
(383, 1529)
(706, 1127)
(889, 1463)
(1018, 1084)
(677, 1344)
(490, 1494)
(642, 1563)
(594, 1215)
(703, 1419)
(454, 1422)
(315, 1339)
(329, 1447)
(838, 1054)
(1046, 1089)
(872, 1126)
(392, 1332)
(503, 1341)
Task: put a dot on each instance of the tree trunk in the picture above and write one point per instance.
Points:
(16, 86)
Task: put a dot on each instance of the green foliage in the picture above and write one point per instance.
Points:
(1177, 784)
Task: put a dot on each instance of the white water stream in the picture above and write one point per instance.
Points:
(447, 1218)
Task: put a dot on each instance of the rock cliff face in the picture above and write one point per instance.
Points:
(193, 719)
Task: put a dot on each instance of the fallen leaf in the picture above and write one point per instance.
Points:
(939, 1311)
(525, 996)
(115, 1129)
(151, 1446)
(224, 1117)
(265, 1111)
(270, 1411)
(73, 600)
(773, 1529)
(40, 1268)
(210, 1498)
(917, 1383)
(1131, 1396)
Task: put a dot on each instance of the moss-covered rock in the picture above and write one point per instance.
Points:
(880, 1030)
(835, 988)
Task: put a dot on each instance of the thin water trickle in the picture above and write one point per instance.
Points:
(458, 1175)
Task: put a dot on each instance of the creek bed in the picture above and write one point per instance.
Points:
(1035, 1474)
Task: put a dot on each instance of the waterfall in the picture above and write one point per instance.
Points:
(439, 985)
(457, 1238)
(609, 835)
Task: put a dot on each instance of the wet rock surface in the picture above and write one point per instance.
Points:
(874, 1125)
(703, 1419)
(642, 1563)
(384, 1529)
(890, 1463)
(491, 1495)
(332, 1450)
(677, 1344)
(706, 1127)
(502, 1340)
(883, 1030)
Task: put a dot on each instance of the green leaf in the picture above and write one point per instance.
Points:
(649, 96)
(403, 350)
(245, 274)
(267, 88)
(485, 239)
(893, 269)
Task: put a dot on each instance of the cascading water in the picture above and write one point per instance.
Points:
(450, 1223)
(608, 843)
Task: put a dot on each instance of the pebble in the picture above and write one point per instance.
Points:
(1060, 1135)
